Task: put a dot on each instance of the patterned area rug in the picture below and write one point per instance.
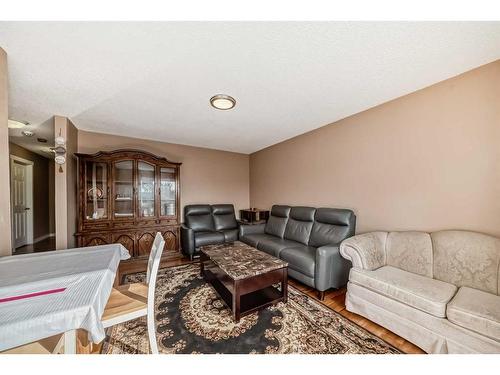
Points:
(191, 318)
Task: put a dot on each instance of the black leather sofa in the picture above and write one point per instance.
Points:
(206, 224)
(308, 239)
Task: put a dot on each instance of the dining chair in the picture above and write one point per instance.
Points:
(49, 345)
(131, 301)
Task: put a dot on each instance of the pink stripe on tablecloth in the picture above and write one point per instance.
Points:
(30, 295)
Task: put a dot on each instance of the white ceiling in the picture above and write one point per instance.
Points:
(154, 80)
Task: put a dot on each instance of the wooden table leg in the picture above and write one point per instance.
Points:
(284, 285)
(116, 282)
(83, 345)
(236, 302)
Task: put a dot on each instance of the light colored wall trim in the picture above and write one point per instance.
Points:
(22, 160)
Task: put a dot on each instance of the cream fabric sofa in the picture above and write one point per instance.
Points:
(438, 290)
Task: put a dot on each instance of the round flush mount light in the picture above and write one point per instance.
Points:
(14, 124)
(27, 133)
(222, 102)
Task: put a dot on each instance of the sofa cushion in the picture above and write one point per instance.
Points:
(420, 292)
(299, 225)
(300, 258)
(273, 245)
(276, 223)
(467, 259)
(410, 251)
(476, 310)
(199, 218)
(253, 239)
(230, 235)
(224, 217)
(331, 226)
(208, 238)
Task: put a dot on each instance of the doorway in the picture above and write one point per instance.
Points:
(21, 194)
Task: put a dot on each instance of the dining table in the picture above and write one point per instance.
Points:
(56, 292)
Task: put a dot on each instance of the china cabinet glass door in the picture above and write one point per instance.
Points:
(123, 177)
(167, 192)
(146, 189)
(96, 192)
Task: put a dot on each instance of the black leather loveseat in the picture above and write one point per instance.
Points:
(206, 224)
(308, 239)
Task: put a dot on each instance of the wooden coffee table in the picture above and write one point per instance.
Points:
(244, 276)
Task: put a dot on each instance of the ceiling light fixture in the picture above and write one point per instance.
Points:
(222, 102)
(60, 151)
(14, 124)
(27, 133)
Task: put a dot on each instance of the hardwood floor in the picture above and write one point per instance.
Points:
(334, 299)
(46, 244)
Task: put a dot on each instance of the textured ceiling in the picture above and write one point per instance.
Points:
(44, 130)
(154, 80)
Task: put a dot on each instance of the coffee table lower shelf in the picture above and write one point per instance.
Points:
(248, 295)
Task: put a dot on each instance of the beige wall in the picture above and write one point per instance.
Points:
(65, 186)
(60, 191)
(207, 176)
(426, 161)
(41, 197)
(5, 232)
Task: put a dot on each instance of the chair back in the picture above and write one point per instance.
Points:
(157, 246)
(155, 256)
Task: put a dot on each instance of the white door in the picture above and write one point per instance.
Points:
(20, 207)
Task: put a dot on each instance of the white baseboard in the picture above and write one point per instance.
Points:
(41, 238)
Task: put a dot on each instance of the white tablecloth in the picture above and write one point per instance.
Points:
(87, 274)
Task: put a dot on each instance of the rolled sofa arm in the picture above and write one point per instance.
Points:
(251, 229)
(187, 240)
(365, 251)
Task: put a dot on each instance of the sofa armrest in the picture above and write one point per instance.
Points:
(365, 251)
(332, 270)
(251, 229)
(187, 240)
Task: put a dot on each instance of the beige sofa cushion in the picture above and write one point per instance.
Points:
(467, 259)
(476, 310)
(420, 292)
(410, 251)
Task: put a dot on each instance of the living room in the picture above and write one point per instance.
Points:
(273, 187)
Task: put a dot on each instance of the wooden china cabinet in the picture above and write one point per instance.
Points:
(126, 196)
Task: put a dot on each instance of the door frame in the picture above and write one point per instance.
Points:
(29, 199)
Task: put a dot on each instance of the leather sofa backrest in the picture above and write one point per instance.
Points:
(410, 251)
(199, 217)
(224, 217)
(466, 258)
(300, 223)
(278, 218)
(332, 226)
